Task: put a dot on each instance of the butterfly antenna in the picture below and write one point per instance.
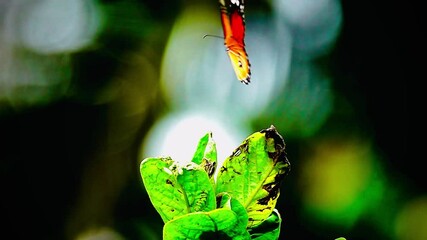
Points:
(208, 35)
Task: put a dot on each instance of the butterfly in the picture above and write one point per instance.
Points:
(233, 25)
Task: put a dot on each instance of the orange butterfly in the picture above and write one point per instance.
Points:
(233, 25)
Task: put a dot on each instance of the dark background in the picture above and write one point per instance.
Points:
(46, 150)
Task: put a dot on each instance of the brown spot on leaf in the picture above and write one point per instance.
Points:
(169, 182)
(209, 167)
(279, 155)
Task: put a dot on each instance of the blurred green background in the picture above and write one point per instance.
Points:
(89, 88)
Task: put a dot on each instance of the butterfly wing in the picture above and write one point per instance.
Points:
(233, 25)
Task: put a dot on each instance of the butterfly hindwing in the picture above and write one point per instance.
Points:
(240, 63)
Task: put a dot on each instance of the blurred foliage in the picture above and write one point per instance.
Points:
(88, 88)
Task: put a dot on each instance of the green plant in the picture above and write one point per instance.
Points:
(239, 204)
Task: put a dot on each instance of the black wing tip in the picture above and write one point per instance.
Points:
(245, 81)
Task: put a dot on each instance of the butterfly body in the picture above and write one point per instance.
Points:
(233, 25)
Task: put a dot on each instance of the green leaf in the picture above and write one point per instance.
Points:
(239, 229)
(254, 172)
(197, 188)
(206, 155)
(193, 225)
(175, 190)
(269, 229)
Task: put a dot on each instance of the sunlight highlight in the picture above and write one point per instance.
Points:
(177, 136)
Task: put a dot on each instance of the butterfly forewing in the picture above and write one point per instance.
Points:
(225, 20)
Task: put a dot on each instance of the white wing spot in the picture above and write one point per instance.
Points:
(237, 2)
